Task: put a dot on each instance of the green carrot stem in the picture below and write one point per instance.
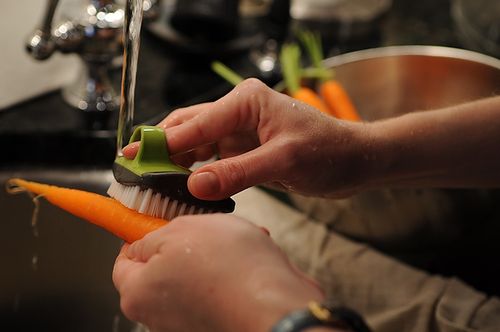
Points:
(319, 73)
(226, 73)
(314, 47)
(290, 66)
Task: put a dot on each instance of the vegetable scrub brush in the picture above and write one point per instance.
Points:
(152, 184)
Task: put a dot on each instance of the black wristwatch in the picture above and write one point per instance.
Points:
(317, 315)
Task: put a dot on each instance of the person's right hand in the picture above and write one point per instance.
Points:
(211, 272)
(263, 136)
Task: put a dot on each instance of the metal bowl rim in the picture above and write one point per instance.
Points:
(412, 50)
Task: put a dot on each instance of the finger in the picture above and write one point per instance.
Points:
(226, 177)
(181, 115)
(123, 268)
(177, 117)
(237, 111)
(142, 250)
(187, 159)
(130, 150)
(173, 119)
(201, 153)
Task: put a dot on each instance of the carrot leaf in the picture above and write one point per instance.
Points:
(290, 66)
(314, 47)
(226, 73)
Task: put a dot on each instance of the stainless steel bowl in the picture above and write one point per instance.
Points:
(388, 81)
(421, 226)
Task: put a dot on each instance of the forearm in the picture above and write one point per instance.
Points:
(454, 147)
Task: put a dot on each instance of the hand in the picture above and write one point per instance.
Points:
(266, 137)
(209, 273)
(263, 136)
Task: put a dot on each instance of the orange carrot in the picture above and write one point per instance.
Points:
(290, 65)
(337, 99)
(102, 211)
(311, 98)
(332, 92)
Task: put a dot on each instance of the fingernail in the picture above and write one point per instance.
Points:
(205, 183)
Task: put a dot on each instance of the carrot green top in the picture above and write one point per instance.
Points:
(290, 66)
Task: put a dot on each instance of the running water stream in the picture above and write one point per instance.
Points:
(131, 43)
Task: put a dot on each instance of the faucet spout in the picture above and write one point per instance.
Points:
(41, 45)
(96, 35)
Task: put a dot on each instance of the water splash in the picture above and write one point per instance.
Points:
(34, 216)
(131, 45)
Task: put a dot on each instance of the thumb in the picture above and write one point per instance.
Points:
(226, 177)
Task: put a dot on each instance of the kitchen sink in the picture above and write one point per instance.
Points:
(56, 274)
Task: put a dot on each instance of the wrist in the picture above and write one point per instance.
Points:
(377, 152)
(395, 154)
(261, 307)
(287, 300)
(326, 317)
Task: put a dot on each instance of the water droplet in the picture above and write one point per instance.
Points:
(294, 105)
(34, 262)
(34, 217)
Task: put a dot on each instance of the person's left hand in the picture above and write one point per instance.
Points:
(209, 273)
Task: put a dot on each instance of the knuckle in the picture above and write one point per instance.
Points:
(174, 118)
(253, 85)
(256, 98)
(255, 91)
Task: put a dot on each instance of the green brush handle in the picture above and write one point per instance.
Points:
(152, 156)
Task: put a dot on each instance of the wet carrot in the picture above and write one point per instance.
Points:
(290, 67)
(333, 93)
(339, 102)
(102, 211)
(310, 97)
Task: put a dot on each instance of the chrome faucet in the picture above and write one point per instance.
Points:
(95, 34)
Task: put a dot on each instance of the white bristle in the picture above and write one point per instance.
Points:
(155, 206)
(171, 209)
(181, 210)
(164, 206)
(145, 201)
(151, 203)
(191, 209)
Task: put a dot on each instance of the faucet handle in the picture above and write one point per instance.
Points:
(41, 44)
